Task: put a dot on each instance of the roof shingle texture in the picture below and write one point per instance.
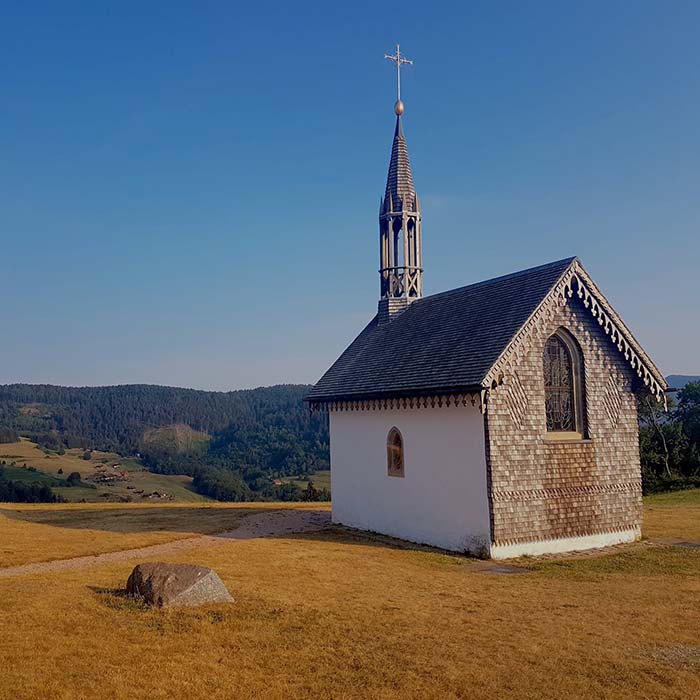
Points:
(442, 343)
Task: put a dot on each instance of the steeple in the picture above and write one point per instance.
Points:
(399, 182)
(400, 254)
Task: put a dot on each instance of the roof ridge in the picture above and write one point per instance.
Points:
(510, 275)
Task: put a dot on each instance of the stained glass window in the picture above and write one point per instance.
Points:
(559, 387)
(394, 453)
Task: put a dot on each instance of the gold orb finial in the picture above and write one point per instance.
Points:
(398, 108)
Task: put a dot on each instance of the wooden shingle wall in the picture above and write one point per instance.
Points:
(542, 490)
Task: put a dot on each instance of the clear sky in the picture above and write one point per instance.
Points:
(189, 190)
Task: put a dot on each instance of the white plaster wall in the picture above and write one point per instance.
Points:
(441, 501)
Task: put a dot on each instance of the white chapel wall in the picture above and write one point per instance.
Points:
(442, 499)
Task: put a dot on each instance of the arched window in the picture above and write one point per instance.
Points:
(394, 453)
(563, 386)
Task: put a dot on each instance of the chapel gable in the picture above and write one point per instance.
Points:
(562, 453)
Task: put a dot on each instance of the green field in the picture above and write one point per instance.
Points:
(28, 476)
(321, 480)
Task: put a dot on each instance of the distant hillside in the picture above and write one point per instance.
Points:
(678, 381)
(176, 438)
(258, 433)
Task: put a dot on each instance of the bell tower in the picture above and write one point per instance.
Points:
(400, 253)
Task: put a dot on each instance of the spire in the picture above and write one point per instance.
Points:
(399, 181)
(400, 248)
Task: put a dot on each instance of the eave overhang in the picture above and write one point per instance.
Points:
(407, 399)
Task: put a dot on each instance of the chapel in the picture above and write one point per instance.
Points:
(497, 419)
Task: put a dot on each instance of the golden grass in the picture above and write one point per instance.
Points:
(40, 532)
(673, 515)
(343, 616)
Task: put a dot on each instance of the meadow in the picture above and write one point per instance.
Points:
(52, 467)
(345, 615)
(320, 480)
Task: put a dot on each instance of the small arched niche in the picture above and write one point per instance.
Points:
(394, 453)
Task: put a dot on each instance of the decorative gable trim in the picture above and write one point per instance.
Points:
(580, 283)
(575, 280)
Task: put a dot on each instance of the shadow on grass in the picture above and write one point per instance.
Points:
(214, 520)
(206, 519)
(344, 535)
(119, 599)
(211, 520)
(164, 620)
(652, 558)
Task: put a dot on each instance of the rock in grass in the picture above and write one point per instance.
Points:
(176, 585)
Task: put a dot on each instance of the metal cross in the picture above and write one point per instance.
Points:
(399, 60)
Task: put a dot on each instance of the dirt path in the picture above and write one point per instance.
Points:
(275, 523)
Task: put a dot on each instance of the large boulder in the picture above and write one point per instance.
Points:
(176, 585)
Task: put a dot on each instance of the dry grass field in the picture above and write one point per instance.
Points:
(347, 616)
(39, 532)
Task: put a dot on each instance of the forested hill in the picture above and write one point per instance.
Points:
(176, 430)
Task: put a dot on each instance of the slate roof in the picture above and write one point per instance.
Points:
(440, 344)
(400, 194)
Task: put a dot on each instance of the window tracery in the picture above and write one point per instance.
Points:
(563, 386)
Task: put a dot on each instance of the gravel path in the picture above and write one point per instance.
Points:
(275, 523)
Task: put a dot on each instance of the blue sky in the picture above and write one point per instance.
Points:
(189, 191)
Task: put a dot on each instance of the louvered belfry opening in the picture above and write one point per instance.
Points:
(401, 264)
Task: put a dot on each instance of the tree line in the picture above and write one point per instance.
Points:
(669, 441)
(224, 485)
(13, 491)
(258, 435)
(254, 435)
